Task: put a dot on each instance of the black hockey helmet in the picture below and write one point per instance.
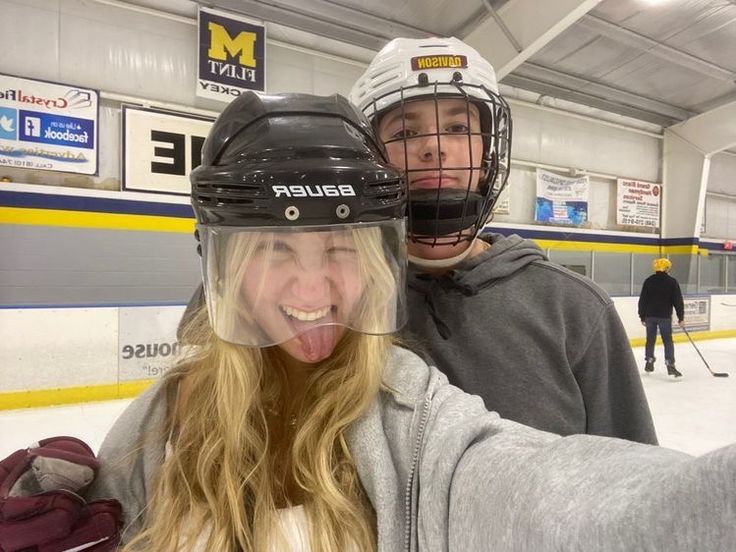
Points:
(302, 225)
(268, 157)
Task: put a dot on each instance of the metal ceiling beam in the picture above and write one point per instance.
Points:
(576, 96)
(650, 46)
(324, 18)
(715, 102)
(710, 132)
(520, 28)
(590, 88)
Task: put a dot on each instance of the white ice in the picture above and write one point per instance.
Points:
(695, 413)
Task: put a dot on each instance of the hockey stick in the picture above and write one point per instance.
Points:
(715, 374)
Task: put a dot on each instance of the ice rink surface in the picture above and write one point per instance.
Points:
(695, 413)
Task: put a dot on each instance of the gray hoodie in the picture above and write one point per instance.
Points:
(540, 344)
(443, 474)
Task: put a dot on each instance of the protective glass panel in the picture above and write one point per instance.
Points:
(613, 272)
(266, 286)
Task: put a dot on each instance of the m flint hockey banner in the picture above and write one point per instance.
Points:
(561, 199)
(47, 126)
(160, 149)
(231, 55)
(638, 203)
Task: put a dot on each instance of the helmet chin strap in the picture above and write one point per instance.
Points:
(442, 263)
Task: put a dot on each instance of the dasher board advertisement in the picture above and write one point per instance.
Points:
(697, 314)
(231, 55)
(48, 126)
(147, 344)
(161, 148)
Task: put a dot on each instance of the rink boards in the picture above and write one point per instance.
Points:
(93, 284)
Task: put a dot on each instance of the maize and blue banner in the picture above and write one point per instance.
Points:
(561, 199)
(48, 126)
(232, 55)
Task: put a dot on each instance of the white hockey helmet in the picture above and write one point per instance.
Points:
(408, 70)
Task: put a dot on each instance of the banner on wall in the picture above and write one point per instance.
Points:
(638, 203)
(160, 149)
(697, 314)
(48, 126)
(147, 344)
(231, 55)
(561, 199)
(503, 205)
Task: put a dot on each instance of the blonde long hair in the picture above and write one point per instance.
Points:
(220, 469)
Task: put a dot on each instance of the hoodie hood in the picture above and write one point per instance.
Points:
(506, 256)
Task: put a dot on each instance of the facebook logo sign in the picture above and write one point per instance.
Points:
(57, 130)
(33, 126)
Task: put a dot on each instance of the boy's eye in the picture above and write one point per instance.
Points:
(458, 128)
(403, 134)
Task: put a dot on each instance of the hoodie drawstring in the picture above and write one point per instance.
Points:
(444, 283)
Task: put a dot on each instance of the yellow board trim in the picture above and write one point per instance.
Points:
(567, 245)
(94, 393)
(680, 338)
(105, 221)
(71, 395)
(158, 223)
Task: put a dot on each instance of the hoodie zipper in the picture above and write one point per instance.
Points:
(414, 462)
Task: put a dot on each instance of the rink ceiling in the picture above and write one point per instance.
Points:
(593, 99)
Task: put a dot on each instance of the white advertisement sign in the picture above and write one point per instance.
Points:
(638, 203)
(48, 126)
(147, 345)
(697, 314)
(160, 149)
(561, 199)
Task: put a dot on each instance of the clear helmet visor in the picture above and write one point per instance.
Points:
(268, 286)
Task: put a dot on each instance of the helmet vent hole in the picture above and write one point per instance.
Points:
(291, 213)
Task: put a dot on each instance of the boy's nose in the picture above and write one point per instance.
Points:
(432, 148)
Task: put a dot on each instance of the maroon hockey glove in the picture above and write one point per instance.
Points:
(40, 504)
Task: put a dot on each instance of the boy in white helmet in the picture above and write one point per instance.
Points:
(540, 344)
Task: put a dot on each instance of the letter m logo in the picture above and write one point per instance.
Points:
(221, 44)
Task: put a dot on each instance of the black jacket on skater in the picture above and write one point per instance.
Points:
(659, 294)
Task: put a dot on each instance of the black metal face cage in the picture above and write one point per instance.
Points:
(439, 218)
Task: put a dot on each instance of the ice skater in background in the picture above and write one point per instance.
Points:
(659, 294)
